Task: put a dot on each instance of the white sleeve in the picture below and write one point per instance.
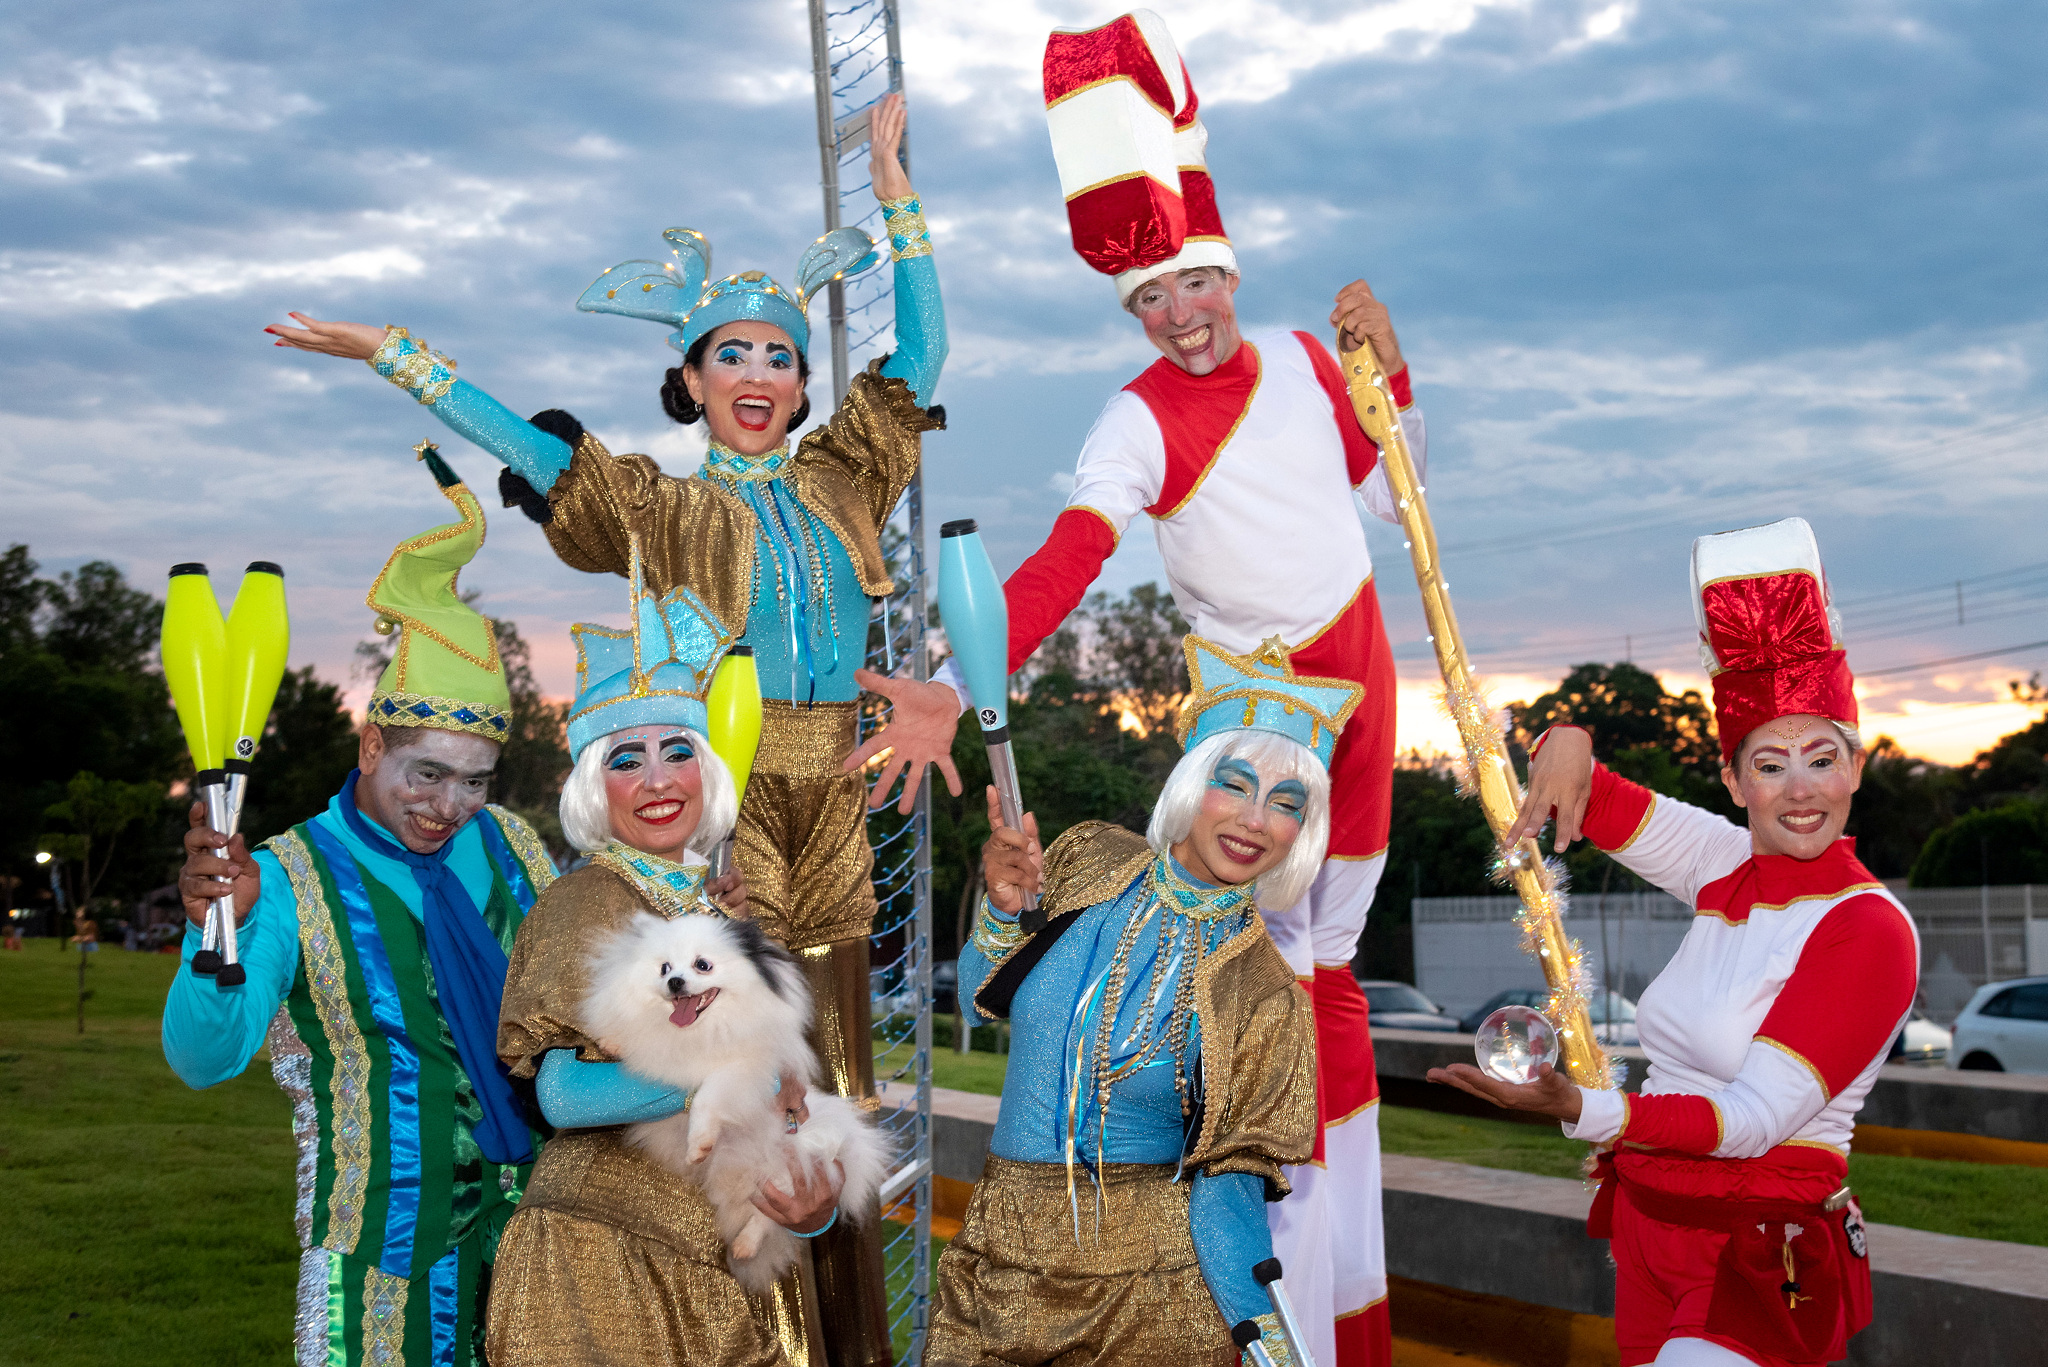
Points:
(949, 674)
(1376, 493)
(1601, 1114)
(1122, 468)
(1682, 848)
(1769, 1101)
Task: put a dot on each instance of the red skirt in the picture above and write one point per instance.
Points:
(1782, 1283)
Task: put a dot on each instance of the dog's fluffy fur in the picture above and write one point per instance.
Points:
(714, 1007)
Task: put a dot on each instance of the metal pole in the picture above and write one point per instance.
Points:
(921, 884)
(828, 156)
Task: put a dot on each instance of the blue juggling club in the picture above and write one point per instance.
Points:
(977, 623)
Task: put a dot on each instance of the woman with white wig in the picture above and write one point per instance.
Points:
(612, 1258)
(1163, 1064)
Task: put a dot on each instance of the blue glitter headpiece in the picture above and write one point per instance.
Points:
(653, 675)
(676, 293)
(1261, 692)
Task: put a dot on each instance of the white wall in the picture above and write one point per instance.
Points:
(1461, 963)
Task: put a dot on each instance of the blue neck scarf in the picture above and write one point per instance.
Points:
(469, 976)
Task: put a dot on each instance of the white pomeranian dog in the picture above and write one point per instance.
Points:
(714, 1007)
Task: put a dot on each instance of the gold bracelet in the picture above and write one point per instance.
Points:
(415, 370)
(908, 235)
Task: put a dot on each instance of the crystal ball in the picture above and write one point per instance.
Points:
(1512, 1041)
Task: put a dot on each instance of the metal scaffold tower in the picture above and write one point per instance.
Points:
(857, 57)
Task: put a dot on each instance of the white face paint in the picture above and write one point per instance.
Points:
(424, 792)
(1797, 777)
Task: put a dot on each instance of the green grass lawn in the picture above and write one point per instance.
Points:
(145, 1222)
(1977, 1200)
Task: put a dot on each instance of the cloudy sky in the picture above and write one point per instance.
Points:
(1660, 269)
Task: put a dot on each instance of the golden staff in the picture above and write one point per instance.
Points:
(1489, 772)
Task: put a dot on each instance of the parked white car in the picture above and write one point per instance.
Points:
(2004, 1029)
(1922, 1041)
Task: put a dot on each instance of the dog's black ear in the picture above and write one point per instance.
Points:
(776, 965)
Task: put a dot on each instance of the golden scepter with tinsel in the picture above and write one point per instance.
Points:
(1489, 774)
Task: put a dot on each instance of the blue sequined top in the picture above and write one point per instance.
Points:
(1056, 1010)
(809, 637)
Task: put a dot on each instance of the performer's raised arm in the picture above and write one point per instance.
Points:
(920, 314)
(536, 456)
(1679, 847)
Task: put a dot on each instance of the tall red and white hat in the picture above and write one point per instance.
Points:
(1769, 633)
(1132, 152)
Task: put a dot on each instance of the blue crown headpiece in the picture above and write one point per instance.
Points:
(1261, 692)
(656, 674)
(677, 293)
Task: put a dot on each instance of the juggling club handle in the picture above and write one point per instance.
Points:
(219, 954)
(1267, 1274)
(1246, 1337)
(1002, 767)
(213, 791)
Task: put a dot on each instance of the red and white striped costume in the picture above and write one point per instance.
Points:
(1767, 1028)
(1252, 476)
(1764, 1034)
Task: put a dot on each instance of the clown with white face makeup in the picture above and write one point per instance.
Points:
(1735, 1236)
(611, 1256)
(779, 538)
(1162, 1073)
(383, 925)
(1239, 449)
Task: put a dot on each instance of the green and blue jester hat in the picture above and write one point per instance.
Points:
(654, 674)
(1261, 692)
(680, 293)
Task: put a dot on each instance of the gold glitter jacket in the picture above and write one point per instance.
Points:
(1257, 1031)
(549, 974)
(850, 472)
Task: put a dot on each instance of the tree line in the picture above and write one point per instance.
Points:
(98, 772)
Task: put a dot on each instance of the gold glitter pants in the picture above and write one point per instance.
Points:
(613, 1261)
(802, 840)
(802, 844)
(1015, 1289)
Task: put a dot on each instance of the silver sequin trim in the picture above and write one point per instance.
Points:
(291, 1063)
(309, 1324)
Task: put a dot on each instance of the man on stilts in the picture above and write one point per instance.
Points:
(1244, 452)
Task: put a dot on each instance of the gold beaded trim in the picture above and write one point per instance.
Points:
(908, 235)
(413, 371)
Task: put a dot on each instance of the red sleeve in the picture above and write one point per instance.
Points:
(1053, 581)
(1672, 1120)
(1617, 809)
(1360, 455)
(1855, 978)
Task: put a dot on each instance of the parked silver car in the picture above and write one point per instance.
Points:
(2004, 1029)
(1400, 1006)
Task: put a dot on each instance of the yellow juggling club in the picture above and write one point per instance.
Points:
(195, 653)
(194, 647)
(734, 702)
(259, 635)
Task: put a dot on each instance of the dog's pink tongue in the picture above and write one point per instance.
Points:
(685, 1012)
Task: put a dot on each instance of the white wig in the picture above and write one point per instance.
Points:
(587, 818)
(1276, 757)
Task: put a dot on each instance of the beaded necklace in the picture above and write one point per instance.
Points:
(1185, 910)
(797, 546)
(668, 887)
